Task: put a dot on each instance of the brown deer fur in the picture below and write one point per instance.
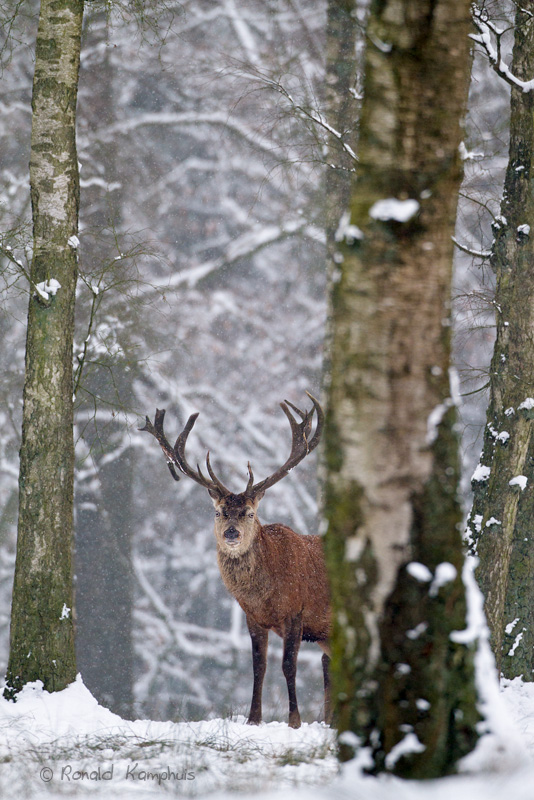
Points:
(277, 576)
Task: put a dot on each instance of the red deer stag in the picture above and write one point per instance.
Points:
(277, 576)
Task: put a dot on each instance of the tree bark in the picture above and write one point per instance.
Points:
(500, 524)
(42, 632)
(401, 677)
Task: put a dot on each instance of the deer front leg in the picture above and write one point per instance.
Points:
(260, 638)
(292, 640)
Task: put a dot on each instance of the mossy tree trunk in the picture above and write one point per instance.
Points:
(403, 680)
(500, 524)
(42, 627)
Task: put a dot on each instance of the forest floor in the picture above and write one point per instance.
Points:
(65, 744)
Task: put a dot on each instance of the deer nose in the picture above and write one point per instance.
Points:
(231, 533)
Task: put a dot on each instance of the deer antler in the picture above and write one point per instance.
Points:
(214, 486)
(301, 445)
(156, 429)
(176, 455)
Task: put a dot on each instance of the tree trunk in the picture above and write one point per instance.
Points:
(401, 680)
(500, 524)
(104, 498)
(42, 634)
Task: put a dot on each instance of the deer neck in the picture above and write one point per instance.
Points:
(244, 574)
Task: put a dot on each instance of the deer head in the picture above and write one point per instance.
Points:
(236, 522)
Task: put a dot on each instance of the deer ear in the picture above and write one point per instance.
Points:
(257, 498)
(215, 496)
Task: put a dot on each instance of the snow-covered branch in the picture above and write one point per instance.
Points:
(489, 37)
(246, 245)
(311, 114)
(470, 251)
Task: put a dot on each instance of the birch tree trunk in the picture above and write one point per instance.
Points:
(500, 524)
(42, 633)
(402, 677)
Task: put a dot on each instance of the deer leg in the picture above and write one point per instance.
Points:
(260, 638)
(292, 639)
(327, 698)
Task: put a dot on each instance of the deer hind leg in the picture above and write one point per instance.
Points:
(292, 640)
(260, 638)
(327, 695)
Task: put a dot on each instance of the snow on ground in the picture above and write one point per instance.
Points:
(65, 744)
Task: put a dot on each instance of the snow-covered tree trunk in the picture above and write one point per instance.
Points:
(42, 628)
(500, 524)
(403, 679)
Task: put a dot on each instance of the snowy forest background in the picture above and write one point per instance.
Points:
(203, 262)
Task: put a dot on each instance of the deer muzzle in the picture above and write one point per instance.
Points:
(231, 534)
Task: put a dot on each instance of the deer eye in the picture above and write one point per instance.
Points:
(217, 513)
(251, 515)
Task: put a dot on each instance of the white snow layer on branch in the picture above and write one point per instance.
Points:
(486, 28)
(244, 246)
(470, 250)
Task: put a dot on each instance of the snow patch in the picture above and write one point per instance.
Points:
(527, 404)
(392, 209)
(445, 573)
(47, 288)
(481, 473)
(477, 522)
(468, 155)
(516, 642)
(419, 571)
(519, 480)
(418, 631)
(347, 232)
(410, 744)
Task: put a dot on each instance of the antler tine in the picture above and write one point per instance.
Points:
(301, 445)
(156, 430)
(312, 444)
(250, 479)
(300, 431)
(176, 455)
(196, 475)
(214, 477)
(301, 414)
